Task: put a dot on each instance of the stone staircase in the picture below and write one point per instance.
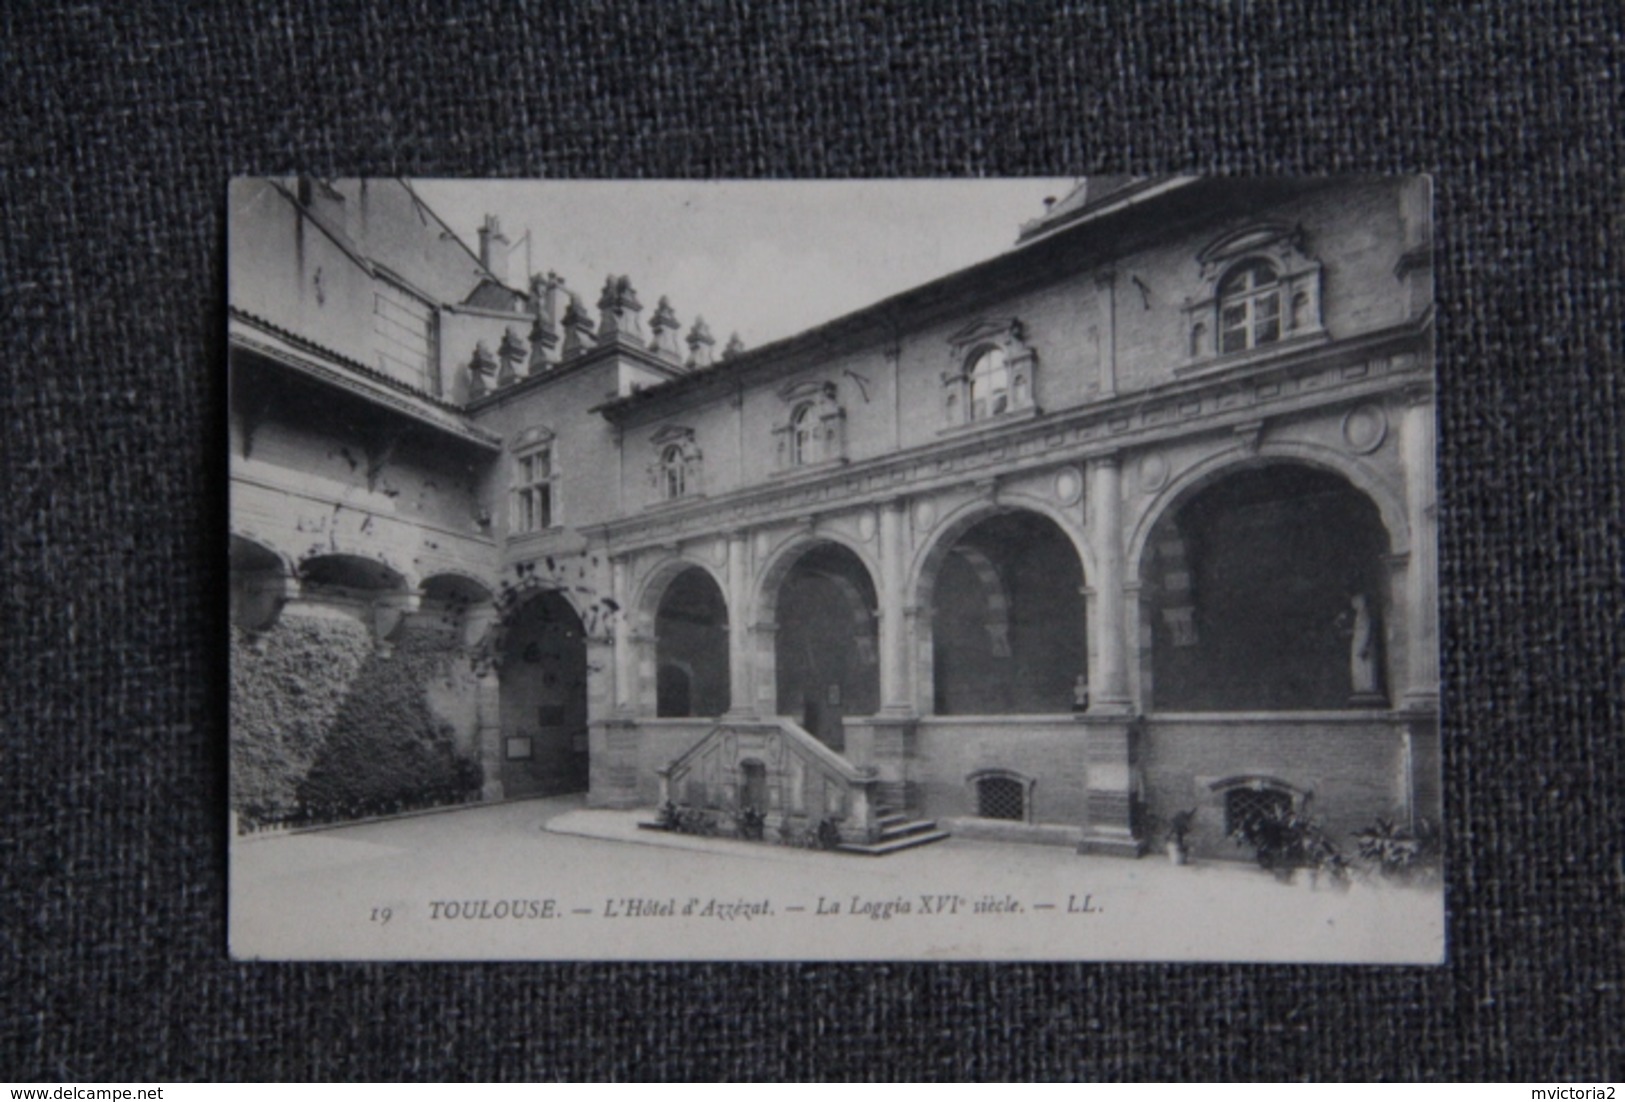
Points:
(897, 832)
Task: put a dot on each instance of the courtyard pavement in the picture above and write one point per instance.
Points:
(550, 879)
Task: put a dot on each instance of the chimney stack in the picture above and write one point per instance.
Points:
(494, 248)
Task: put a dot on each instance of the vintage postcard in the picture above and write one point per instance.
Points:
(934, 570)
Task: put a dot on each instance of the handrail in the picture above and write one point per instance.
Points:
(798, 737)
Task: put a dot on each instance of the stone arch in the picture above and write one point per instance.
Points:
(819, 633)
(457, 586)
(683, 623)
(458, 602)
(540, 652)
(652, 587)
(940, 540)
(368, 588)
(1006, 633)
(1264, 584)
(249, 538)
(376, 569)
(1389, 499)
(261, 581)
(779, 560)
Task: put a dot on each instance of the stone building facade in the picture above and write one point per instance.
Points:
(1135, 517)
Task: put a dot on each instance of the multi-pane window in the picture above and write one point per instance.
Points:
(989, 385)
(1249, 307)
(804, 435)
(534, 501)
(404, 330)
(673, 472)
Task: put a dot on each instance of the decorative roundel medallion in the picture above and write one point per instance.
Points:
(719, 552)
(924, 514)
(1068, 486)
(1153, 472)
(1365, 428)
(866, 527)
(762, 544)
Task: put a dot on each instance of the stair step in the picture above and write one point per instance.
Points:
(903, 829)
(880, 849)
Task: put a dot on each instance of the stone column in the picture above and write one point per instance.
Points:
(626, 658)
(741, 685)
(1106, 537)
(1422, 588)
(894, 687)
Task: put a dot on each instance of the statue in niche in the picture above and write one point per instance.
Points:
(1356, 622)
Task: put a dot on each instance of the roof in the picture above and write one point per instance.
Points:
(254, 334)
(1050, 247)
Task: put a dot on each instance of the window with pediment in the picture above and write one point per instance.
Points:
(991, 375)
(814, 428)
(1260, 288)
(677, 471)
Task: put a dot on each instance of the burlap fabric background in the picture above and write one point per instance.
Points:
(123, 122)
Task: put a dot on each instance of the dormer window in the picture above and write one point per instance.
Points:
(677, 470)
(803, 435)
(989, 385)
(993, 373)
(815, 430)
(673, 482)
(1249, 307)
(1261, 287)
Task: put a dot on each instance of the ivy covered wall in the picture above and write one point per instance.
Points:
(327, 727)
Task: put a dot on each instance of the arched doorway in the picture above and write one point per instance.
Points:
(691, 647)
(1008, 632)
(1265, 589)
(544, 699)
(825, 649)
(259, 584)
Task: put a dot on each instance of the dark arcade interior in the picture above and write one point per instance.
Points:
(691, 647)
(826, 645)
(1250, 590)
(1008, 620)
(544, 699)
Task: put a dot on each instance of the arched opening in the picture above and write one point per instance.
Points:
(1007, 619)
(825, 649)
(349, 572)
(691, 647)
(1266, 590)
(544, 699)
(259, 584)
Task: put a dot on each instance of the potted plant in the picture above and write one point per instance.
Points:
(1179, 828)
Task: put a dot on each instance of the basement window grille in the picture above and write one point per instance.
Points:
(1245, 806)
(1001, 798)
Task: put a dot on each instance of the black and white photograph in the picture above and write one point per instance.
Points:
(1023, 569)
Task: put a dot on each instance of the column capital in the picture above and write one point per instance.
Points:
(1112, 460)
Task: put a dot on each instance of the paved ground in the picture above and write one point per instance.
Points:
(549, 879)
